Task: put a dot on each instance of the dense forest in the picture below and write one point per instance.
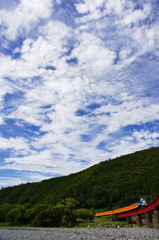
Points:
(108, 185)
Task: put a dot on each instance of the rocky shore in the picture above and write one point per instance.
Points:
(79, 234)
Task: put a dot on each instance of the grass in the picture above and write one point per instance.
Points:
(9, 224)
(6, 224)
(103, 222)
(102, 225)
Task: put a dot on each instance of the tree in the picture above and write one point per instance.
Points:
(2, 215)
(87, 215)
(69, 217)
(17, 215)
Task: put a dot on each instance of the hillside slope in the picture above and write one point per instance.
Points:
(109, 184)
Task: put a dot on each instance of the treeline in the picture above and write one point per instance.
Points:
(45, 215)
(108, 185)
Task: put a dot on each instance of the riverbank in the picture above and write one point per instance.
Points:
(79, 234)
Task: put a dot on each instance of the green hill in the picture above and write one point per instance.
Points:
(109, 184)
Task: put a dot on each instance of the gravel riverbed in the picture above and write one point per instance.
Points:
(80, 234)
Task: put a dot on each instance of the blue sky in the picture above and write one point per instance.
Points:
(79, 84)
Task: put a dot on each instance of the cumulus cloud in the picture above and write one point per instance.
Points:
(78, 90)
(93, 55)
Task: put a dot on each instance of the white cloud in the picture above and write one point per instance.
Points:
(25, 16)
(10, 181)
(139, 140)
(146, 136)
(5, 65)
(5, 88)
(48, 49)
(134, 17)
(89, 6)
(44, 162)
(37, 54)
(93, 55)
(128, 113)
(18, 144)
(137, 15)
(30, 114)
(96, 63)
(55, 32)
(115, 6)
(133, 41)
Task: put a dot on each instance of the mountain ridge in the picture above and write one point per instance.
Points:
(109, 184)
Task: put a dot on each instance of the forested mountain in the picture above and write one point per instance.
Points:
(109, 184)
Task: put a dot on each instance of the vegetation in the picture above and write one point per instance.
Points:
(41, 215)
(108, 185)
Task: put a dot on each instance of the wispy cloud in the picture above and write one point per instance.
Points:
(23, 18)
(79, 84)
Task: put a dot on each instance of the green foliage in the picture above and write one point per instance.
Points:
(2, 215)
(86, 215)
(48, 217)
(68, 216)
(16, 215)
(42, 215)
